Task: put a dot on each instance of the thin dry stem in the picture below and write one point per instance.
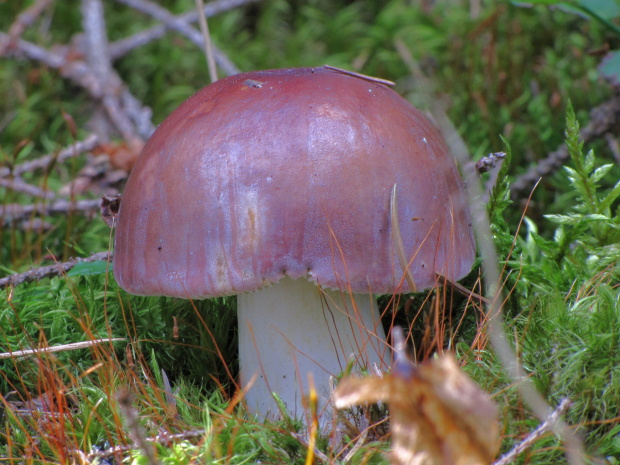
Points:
(544, 428)
(398, 242)
(19, 185)
(24, 20)
(60, 348)
(122, 47)
(73, 150)
(51, 271)
(176, 24)
(13, 212)
(204, 29)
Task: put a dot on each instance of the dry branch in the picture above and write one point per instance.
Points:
(25, 19)
(12, 212)
(19, 185)
(124, 46)
(36, 274)
(547, 426)
(175, 23)
(89, 143)
(60, 58)
(75, 70)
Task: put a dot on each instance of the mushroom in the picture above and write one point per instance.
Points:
(278, 186)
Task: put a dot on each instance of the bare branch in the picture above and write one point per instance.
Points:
(75, 70)
(16, 212)
(89, 143)
(24, 20)
(97, 55)
(19, 185)
(124, 46)
(58, 269)
(80, 73)
(99, 62)
(175, 23)
(548, 425)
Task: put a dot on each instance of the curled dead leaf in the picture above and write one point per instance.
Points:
(439, 416)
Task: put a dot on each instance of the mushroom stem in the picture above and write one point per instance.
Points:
(294, 328)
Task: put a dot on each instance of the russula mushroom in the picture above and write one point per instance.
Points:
(265, 184)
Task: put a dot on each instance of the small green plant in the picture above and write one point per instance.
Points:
(586, 241)
(568, 315)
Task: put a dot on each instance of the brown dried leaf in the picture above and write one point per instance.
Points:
(439, 416)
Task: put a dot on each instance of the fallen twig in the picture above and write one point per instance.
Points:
(24, 20)
(545, 427)
(19, 185)
(60, 348)
(89, 143)
(79, 72)
(12, 212)
(176, 24)
(76, 70)
(124, 46)
(98, 59)
(58, 269)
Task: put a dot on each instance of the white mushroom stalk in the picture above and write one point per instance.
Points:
(293, 328)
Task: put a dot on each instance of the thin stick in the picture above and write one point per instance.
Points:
(122, 47)
(543, 428)
(176, 24)
(12, 212)
(60, 348)
(51, 271)
(89, 143)
(204, 28)
(25, 19)
(19, 185)
(385, 82)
